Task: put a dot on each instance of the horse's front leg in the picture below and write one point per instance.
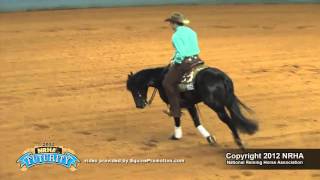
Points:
(177, 129)
(194, 115)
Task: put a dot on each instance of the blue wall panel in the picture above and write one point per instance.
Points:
(22, 5)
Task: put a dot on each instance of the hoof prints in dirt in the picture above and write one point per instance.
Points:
(211, 164)
(129, 28)
(262, 70)
(111, 139)
(86, 29)
(317, 71)
(267, 27)
(57, 29)
(294, 68)
(40, 126)
(83, 132)
(247, 173)
(152, 143)
(281, 125)
(223, 27)
(52, 30)
(234, 177)
(316, 175)
(305, 27)
(191, 134)
(289, 68)
(262, 27)
(13, 31)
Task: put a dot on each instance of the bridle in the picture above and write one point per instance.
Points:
(149, 102)
(152, 96)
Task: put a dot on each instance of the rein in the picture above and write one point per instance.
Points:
(152, 96)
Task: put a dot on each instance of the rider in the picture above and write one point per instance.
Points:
(185, 42)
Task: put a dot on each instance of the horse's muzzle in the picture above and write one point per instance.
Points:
(141, 105)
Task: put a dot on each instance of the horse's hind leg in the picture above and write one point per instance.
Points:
(194, 115)
(222, 114)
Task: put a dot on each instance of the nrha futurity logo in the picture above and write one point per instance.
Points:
(48, 154)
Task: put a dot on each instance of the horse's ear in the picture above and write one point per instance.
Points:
(129, 75)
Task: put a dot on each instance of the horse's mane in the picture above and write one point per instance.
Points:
(150, 71)
(142, 76)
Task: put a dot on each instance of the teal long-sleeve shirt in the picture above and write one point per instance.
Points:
(185, 42)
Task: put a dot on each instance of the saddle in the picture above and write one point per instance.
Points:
(187, 82)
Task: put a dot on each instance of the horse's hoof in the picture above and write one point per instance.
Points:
(211, 140)
(240, 144)
(174, 138)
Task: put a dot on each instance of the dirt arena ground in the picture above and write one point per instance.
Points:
(63, 79)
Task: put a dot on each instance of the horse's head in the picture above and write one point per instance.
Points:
(137, 86)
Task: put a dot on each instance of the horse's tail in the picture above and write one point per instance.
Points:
(233, 104)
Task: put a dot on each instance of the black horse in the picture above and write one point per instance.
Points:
(211, 86)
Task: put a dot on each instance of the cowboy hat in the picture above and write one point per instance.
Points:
(177, 17)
